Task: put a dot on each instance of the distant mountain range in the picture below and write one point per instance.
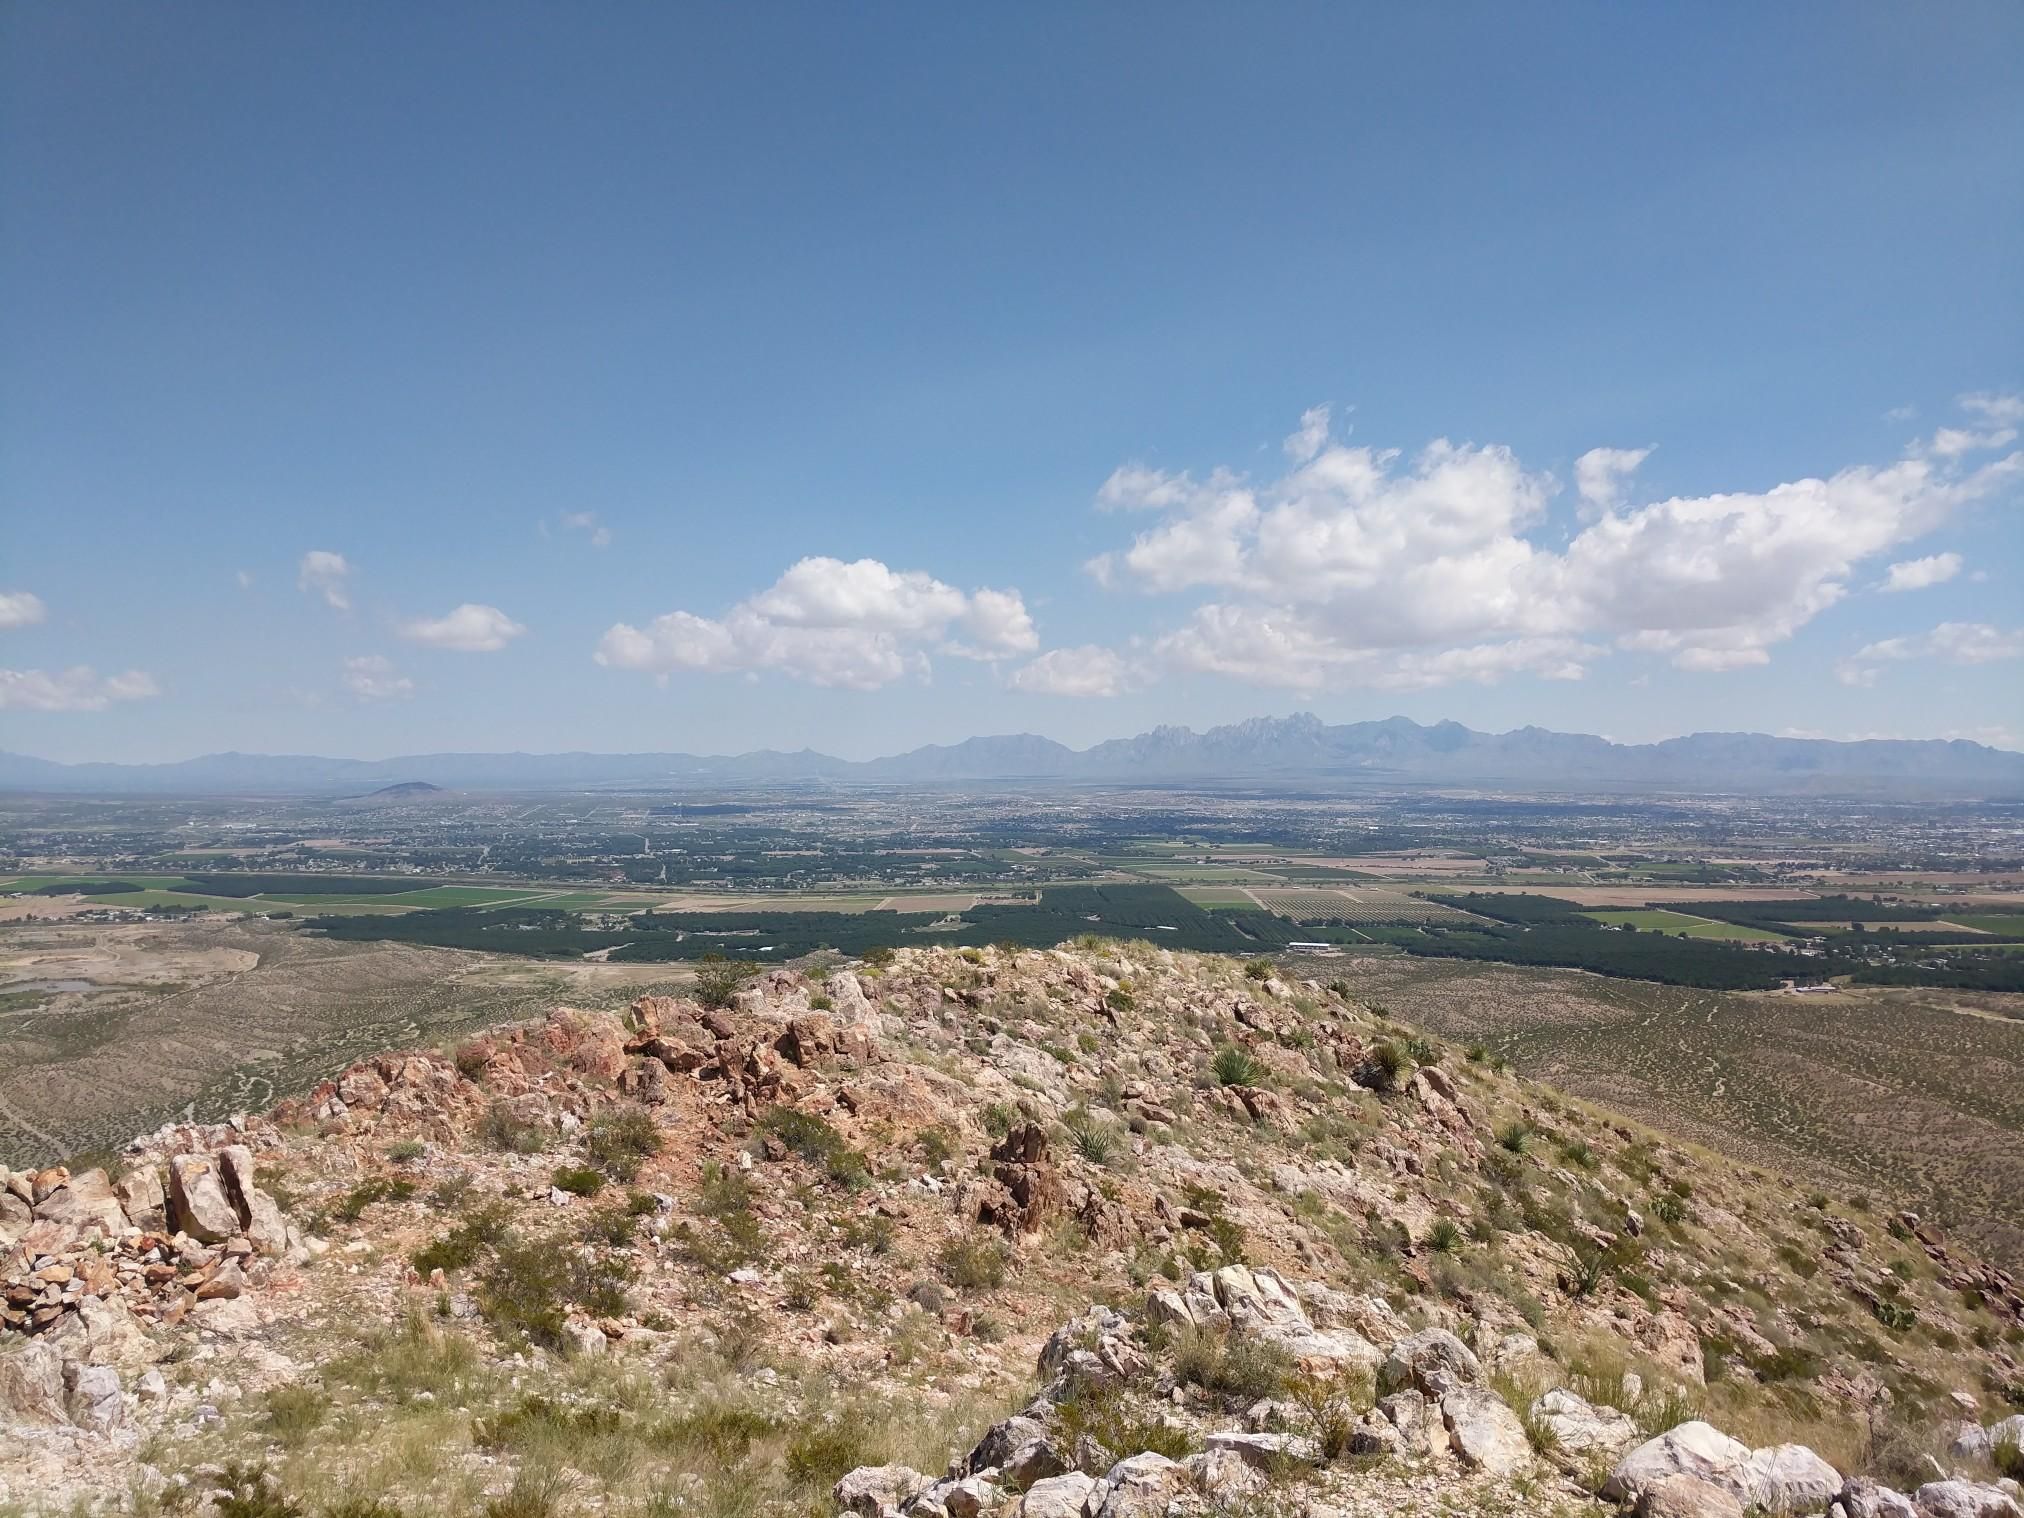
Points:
(1299, 750)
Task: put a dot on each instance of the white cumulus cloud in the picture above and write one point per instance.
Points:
(21, 608)
(1085, 671)
(1364, 566)
(372, 677)
(855, 624)
(586, 522)
(326, 574)
(1917, 574)
(1599, 475)
(77, 689)
(470, 629)
(1950, 642)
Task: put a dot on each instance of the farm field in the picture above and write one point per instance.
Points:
(1958, 928)
(1996, 922)
(1639, 896)
(1693, 927)
(1221, 898)
(1881, 1093)
(1361, 904)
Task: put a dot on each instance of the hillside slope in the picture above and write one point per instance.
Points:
(1093, 1233)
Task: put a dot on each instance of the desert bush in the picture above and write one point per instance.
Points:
(873, 1233)
(452, 1192)
(350, 1207)
(819, 1453)
(718, 979)
(2008, 1458)
(294, 1412)
(1233, 1066)
(1239, 1370)
(461, 1246)
(1114, 1423)
(1258, 969)
(578, 1180)
(618, 1141)
(815, 1141)
(1096, 1139)
(1383, 1068)
(406, 1151)
(500, 1129)
(1514, 1136)
(974, 1262)
(522, 1291)
(1444, 1237)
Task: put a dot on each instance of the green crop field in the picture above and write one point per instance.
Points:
(1679, 922)
(1216, 896)
(1994, 922)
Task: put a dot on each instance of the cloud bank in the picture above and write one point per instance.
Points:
(77, 689)
(859, 625)
(1365, 567)
(20, 608)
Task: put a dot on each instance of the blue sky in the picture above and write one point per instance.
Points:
(381, 379)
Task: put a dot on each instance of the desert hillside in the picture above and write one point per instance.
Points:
(1103, 1232)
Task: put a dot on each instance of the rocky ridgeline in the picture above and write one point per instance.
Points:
(1415, 1245)
(1434, 1408)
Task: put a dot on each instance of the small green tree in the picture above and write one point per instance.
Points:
(718, 978)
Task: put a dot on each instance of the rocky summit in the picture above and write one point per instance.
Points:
(1102, 1232)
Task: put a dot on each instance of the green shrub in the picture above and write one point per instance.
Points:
(1514, 1136)
(815, 1141)
(461, 1246)
(620, 1140)
(1237, 1067)
(522, 1291)
(1113, 1423)
(578, 1180)
(2008, 1458)
(350, 1207)
(719, 979)
(819, 1454)
(1236, 1369)
(873, 1233)
(500, 1129)
(1444, 1237)
(1258, 969)
(1577, 1152)
(974, 1262)
(1119, 999)
(1384, 1068)
(406, 1151)
(1096, 1139)
(294, 1412)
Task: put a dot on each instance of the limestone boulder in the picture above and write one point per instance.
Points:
(1790, 1478)
(140, 1193)
(1679, 1496)
(31, 1384)
(1695, 1449)
(1486, 1434)
(1863, 1498)
(1432, 1361)
(1064, 1496)
(957, 1497)
(877, 1491)
(1581, 1428)
(198, 1204)
(93, 1397)
(87, 1203)
(1963, 1499)
(1140, 1487)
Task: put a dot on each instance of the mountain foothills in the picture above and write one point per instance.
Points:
(1106, 1231)
(1299, 748)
